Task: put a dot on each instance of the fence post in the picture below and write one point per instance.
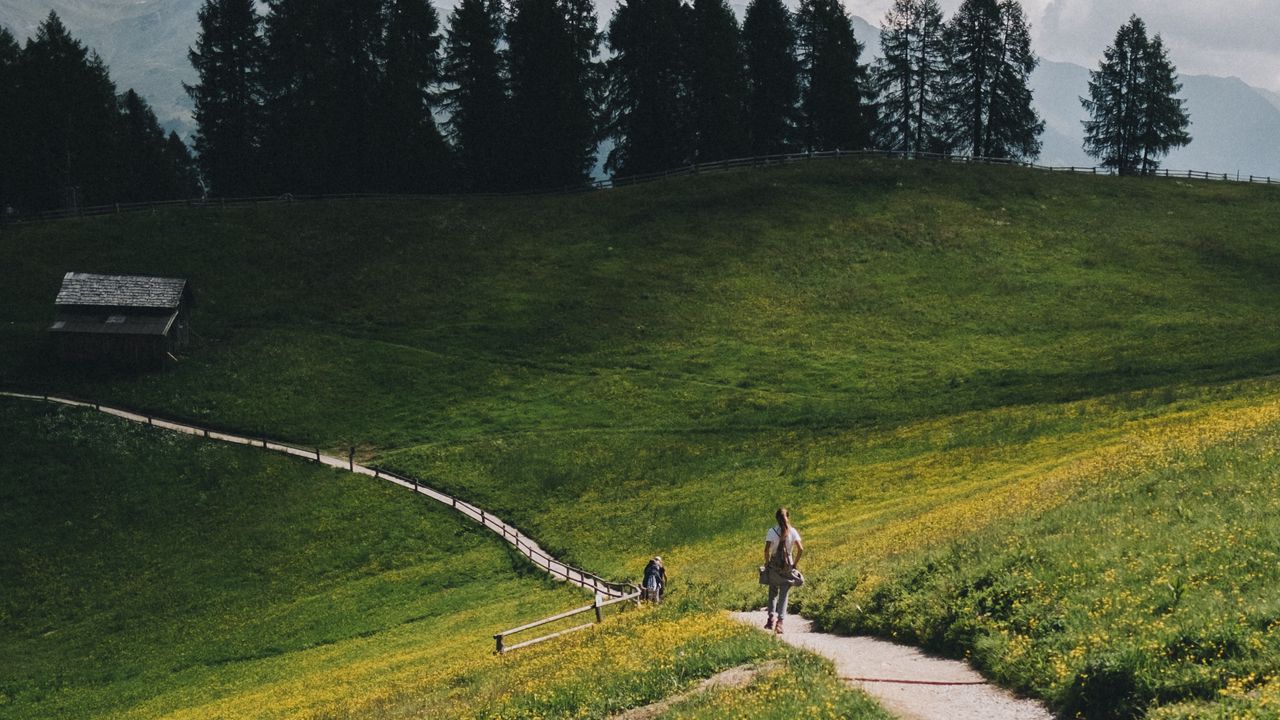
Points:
(498, 640)
(149, 420)
(596, 604)
(317, 452)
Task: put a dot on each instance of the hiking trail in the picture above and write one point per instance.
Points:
(906, 681)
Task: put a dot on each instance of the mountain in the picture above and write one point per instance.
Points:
(143, 42)
(1235, 128)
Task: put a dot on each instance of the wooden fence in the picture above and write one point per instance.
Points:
(618, 182)
(522, 543)
(597, 606)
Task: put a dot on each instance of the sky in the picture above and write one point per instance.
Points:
(1238, 38)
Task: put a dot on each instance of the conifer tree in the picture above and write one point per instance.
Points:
(324, 79)
(554, 83)
(1135, 116)
(71, 122)
(477, 94)
(415, 157)
(989, 93)
(649, 108)
(910, 79)
(10, 117)
(717, 82)
(145, 172)
(835, 113)
(772, 76)
(228, 96)
(184, 176)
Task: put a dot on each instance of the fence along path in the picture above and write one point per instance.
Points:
(521, 542)
(623, 181)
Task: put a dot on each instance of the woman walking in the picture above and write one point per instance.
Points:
(782, 552)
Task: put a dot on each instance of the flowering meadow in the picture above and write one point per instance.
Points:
(1019, 417)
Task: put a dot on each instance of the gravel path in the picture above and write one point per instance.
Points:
(901, 677)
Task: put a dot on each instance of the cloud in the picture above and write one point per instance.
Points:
(1204, 37)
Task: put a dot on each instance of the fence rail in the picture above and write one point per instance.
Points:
(522, 543)
(625, 181)
(598, 606)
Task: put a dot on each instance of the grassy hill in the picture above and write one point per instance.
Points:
(149, 574)
(920, 359)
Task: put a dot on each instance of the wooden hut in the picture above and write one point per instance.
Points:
(133, 320)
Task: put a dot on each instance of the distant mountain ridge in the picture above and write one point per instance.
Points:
(1235, 127)
(143, 42)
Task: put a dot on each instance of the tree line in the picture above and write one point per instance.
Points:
(327, 96)
(70, 139)
(333, 95)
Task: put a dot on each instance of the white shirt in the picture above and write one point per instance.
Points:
(771, 537)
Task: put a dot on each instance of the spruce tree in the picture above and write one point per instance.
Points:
(717, 82)
(1135, 116)
(184, 176)
(228, 96)
(835, 113)
(772, 77)
(71, 123)
(554, 82)
(910, 79)
(324, 79)
(988, 86)
(415, 157)
(11, 149)
(649, 109)
(145, 172)
(477, 95)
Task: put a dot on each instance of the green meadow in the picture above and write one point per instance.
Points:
(1020, 417)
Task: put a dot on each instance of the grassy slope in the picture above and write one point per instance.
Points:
(148, 574)
(907, 353)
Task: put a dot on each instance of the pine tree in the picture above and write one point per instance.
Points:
(324, 79)
(145, 171)
(555, 85)
(649, 109)
(229, 95)
(910, 79)
(772, 75)
(71, 122)
(477, 96)
(10, 117)
(834, 109)
(989, 92)
(717, 82)
(415, 157)
(184, 176)
(1135, 117)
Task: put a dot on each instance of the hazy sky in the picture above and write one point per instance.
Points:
(1204, 37)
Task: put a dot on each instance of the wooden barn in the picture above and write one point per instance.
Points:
(134, 320)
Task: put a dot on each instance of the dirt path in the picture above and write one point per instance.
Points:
(907, 682)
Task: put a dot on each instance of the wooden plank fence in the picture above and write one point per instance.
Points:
(597, 606)
(619, 182)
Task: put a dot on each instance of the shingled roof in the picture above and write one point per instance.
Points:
(140, 291)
